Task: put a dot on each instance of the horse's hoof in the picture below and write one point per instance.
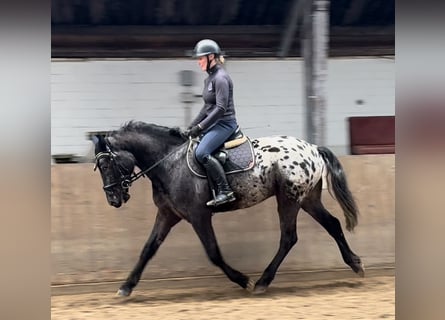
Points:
(250, 285)
(361, 270)
(122, 292)
(259, 289)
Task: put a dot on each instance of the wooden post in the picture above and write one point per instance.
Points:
(315, 52)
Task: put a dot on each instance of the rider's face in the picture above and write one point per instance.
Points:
(202, 61)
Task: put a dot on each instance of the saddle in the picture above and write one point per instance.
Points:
(235, 155)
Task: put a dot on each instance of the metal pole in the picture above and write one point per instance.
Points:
(315, 52)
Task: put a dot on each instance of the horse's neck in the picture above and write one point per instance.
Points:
(148, 150)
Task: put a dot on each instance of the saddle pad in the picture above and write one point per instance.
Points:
(240, 158)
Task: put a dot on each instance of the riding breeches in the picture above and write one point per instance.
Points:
(214, 138)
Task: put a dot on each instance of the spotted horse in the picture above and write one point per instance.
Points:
(290, 169)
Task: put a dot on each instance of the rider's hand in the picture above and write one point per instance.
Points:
(194, 131)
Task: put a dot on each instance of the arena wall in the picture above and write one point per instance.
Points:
(92, 241)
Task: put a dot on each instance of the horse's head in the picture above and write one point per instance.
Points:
(116, 167)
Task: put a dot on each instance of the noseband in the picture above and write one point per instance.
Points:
(124, 180)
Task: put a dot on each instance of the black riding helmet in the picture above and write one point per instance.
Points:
(206, 47)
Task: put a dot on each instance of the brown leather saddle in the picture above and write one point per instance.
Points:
(236, 155)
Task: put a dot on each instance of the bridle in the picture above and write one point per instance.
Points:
(125, 180)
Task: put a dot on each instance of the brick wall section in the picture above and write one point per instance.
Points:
(90, 95)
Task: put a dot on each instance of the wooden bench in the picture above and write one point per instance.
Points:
(372, 135)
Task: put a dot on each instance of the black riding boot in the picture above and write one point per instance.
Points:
(216, 173)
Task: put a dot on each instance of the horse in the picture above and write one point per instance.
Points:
(288, 168)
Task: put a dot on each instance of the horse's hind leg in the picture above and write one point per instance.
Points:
(204, 229)
(312, 205)
(165, 220)
(287, 210)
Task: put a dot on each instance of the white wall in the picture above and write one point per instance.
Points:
(269, 96)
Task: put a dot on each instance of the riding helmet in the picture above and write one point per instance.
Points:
(206, 47)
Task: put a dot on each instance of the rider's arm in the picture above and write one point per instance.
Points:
(222, 99)
(201, 115)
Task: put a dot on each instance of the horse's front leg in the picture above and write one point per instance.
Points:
(165, 220)
(204, 229)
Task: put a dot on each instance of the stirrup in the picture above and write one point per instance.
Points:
(228, 197)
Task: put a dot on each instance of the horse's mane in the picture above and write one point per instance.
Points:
(151, 129)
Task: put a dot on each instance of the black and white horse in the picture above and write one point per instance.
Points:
(285, 167)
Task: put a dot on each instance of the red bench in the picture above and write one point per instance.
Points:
(372, 135)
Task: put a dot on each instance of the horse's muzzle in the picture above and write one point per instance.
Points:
(114, 201)
(117, 201)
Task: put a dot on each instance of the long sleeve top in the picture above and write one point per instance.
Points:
(218, 99)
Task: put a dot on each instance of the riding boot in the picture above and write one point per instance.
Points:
(216, 173)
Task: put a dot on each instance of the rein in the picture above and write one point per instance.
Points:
(141, 173)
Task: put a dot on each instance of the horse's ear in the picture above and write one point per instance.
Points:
(95, 139)
(99, 142)
(111, 140)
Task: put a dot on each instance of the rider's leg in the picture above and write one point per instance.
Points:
(216, 173)
(211, 141)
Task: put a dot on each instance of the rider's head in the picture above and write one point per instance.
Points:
(208, 53)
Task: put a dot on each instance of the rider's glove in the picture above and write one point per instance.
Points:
(195, 131)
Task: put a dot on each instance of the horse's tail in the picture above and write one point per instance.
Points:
(340, 186)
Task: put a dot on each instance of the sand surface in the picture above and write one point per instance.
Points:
(349, 298)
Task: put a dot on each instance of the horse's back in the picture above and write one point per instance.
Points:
(296, 163)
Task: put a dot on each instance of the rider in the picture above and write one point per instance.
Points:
(216, 121)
